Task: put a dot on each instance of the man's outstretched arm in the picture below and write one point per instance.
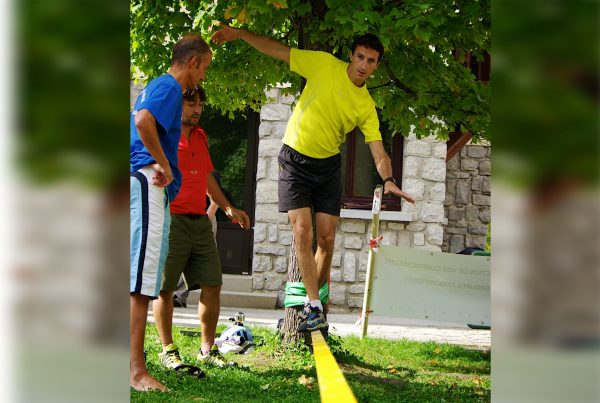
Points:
(264, 44)
(384, 167)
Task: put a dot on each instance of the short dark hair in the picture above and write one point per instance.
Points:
(369, 41)
(190, 94)
(188, 46)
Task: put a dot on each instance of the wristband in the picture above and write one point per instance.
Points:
(389, 179)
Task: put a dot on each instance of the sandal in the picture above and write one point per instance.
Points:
(190, 370)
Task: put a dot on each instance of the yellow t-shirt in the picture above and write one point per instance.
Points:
(330, 106)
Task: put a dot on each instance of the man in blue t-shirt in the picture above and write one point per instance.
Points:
(155, 127)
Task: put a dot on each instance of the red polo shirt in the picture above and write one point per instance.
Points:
(195, 165)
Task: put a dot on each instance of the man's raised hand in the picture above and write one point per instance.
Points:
(225, 34)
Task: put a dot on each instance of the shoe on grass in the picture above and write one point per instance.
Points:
(214, 358)
(171, 359)
(314, 320)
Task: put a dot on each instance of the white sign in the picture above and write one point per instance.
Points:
(418, 284)
(376, 201)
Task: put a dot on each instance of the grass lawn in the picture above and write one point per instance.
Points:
(377, 371)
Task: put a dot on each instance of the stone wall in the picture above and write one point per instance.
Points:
(419, 226)
(468, 198)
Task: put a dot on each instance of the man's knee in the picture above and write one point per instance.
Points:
(303, 235)
(326, 241)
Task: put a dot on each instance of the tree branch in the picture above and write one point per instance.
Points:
(394, 80)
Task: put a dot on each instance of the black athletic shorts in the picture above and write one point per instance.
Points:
(309, 182)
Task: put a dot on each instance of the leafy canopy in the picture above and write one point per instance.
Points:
(427, 88)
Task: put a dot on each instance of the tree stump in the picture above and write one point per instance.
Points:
(291, 319)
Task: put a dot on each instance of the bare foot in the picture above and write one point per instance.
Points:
(146, 383)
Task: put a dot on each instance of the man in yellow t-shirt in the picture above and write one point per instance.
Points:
(334, 101)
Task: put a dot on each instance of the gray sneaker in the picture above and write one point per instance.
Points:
(314, 320)
(303, 314)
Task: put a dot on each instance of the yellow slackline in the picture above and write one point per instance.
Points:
(332, 383)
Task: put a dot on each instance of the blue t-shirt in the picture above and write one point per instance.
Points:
(162, 97)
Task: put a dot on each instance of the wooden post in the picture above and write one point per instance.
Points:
(377, 195)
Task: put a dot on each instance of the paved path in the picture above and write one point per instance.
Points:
(343, 324)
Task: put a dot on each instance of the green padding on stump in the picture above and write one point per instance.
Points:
(481, 253)
(295, 294)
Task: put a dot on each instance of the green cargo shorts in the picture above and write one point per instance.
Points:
(193, 252)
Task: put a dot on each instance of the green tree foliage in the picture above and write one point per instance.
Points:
(427, 86)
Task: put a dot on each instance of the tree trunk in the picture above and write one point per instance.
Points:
(291, 319)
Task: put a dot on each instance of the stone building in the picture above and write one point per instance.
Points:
(468, 195)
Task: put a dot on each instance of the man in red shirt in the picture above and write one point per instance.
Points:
(192, 248)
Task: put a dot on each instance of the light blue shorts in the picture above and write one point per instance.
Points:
(150, 220)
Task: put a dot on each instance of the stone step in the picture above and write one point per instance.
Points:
(235, 282)
(240, 299)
